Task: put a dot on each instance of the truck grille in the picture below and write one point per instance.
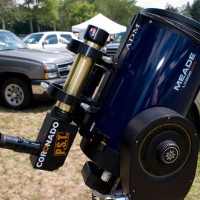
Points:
(111, 52)
(63, 69)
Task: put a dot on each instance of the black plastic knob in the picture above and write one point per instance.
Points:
(168, 152)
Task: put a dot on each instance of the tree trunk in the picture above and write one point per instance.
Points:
(3, 23)
(38, 27)
(54, 25)
(31, 24)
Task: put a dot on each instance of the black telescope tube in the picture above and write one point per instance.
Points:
(19, 144)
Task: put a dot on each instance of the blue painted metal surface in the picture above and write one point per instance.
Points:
(161, 68)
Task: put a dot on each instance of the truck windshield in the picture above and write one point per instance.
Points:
(33, 38)
(119, 37)
(9, 41)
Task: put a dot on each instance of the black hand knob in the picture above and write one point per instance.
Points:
(168, 152)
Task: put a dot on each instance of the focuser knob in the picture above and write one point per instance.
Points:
(168, 152)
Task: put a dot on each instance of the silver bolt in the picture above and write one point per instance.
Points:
(106, 176)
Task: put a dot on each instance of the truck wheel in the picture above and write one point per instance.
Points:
(15, 93)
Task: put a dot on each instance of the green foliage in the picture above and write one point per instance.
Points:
(186, 11)
(195, 10)
(171, 8)
(120, 11)
(72, 12)
(7, 8)
(44, 12)
(80, 12)
(62, 14)
(41, 15)
(191, 11)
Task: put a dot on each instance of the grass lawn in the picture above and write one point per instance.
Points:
(19, 181)
(194, 193)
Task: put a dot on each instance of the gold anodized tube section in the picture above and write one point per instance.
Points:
(77, 76)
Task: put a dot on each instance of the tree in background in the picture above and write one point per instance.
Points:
(120, 11)
(72, 12)
(191, 11)
(46, 13)
(171, 8)
(195, 10)
(43, 12)
(26, 16)
(7, 8)
(80, 12)
(186, 10)
(63, 13)
(27, 8)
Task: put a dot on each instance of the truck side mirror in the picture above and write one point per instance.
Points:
(45, 42)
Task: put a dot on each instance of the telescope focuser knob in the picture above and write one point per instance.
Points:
(168, 152)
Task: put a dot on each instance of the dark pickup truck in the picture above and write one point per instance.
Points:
(22, 70)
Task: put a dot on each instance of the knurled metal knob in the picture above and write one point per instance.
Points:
(168, 152)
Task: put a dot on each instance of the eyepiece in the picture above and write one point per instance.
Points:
(19, 144)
